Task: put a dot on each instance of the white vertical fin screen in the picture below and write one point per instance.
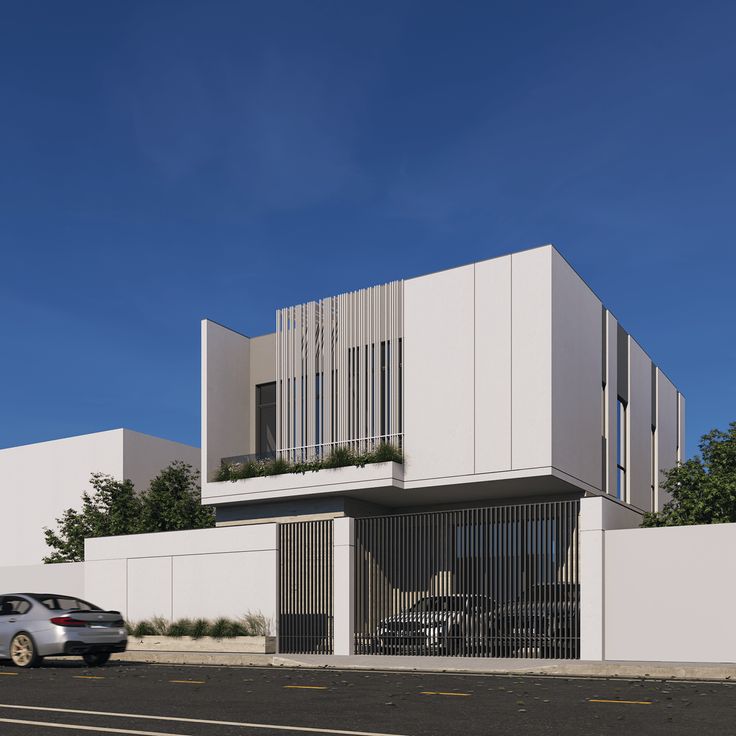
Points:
(339, 372)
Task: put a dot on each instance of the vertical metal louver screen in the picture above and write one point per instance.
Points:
(306, 588)
(490, 582)
(339, 372)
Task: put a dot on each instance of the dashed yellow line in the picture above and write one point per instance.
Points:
(88, 677)
(8, 674)
(189, 682)
(624, 702)
(306, 687)
(457, 695)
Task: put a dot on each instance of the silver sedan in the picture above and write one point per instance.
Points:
(38, 625)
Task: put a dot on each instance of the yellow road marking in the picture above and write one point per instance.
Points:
(88, 677)
(9, 674)
(189, 682)
(457, 695)
(625, 702)
(306, 687)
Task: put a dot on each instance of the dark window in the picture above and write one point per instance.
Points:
(13, 606)
(65, 603)
(266, 418)
(621, 449)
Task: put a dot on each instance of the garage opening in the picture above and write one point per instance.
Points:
(500, 581)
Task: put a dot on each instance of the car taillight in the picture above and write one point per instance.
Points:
(67, 621)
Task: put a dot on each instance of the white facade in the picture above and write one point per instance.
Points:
(511, 372)
(39, 482)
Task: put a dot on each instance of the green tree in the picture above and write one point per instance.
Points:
(111, 508)
(172, 502)
(703, 489)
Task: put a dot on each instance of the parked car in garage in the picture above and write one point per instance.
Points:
(439, 624)
(38, 625)
(541, 622)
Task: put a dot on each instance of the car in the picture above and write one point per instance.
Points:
(439, 624)
(38, 625)
(542, 621)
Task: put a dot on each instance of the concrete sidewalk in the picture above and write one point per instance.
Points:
(471, 665)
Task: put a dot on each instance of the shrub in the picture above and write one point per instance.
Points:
(160, 626)
(255, 624)
(200, 628)
(182, 627)
(340, 457)
(223, 628)
(143, 628)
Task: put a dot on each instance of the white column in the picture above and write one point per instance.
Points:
(597, 514)
(344, 584)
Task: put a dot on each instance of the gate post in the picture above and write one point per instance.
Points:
(344, 585)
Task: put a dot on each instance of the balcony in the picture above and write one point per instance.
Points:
(329, 468)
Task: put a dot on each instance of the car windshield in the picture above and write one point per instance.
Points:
(437, 604)
(65, 603)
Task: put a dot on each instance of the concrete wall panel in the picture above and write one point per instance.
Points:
(531, 356)
(225, 395)
(576, 375)
(438, 374)
(639, 469)
(149, 588)
(667, 595)
(493, 365)
(666, 431)
(65, 578)
(106, 584)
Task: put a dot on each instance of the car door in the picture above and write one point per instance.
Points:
(13, 609)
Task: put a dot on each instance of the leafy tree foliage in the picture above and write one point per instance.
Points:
(703, 489)
(171, 502)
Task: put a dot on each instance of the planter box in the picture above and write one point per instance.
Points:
(236, 645)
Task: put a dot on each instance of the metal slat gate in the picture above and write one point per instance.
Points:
(305, 587)
(489, 582)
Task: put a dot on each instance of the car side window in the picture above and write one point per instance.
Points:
(14, 606)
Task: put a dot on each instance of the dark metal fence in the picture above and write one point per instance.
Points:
(305, 587)
(490, 582)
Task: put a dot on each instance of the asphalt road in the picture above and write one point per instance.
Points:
(68, 698)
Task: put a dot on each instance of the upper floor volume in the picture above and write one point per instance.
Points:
(505, 378)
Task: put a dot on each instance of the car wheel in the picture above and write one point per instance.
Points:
(96, 659)
(23, 651)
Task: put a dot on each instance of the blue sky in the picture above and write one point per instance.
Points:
(161, 162)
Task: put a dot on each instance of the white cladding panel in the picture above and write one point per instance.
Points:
(149, 588)
(611, 402)
(226, 584)
(438, 374)
(666, 431)
(531, 355)
(576, 375)
(225, 395)
(493, 365)
(639, 469)
(145, 456)
(106, 584)
(667, 594)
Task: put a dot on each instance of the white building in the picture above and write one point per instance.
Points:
(38, 482)
(532, 432)
(501, 380)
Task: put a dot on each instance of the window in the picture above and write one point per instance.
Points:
(13, 606)
(63, 603)
(621, 453)
(266, 419)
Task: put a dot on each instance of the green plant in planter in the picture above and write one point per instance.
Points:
(182, 627)
(200, 628)
(340, 457)
(143, 628)
(223, 628)
(384, 453)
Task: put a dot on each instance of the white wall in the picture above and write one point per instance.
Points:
(531, 357)
(669, 594)
(225, 396)
(144, 456)
(438, 374)
(226, 571)
(577, 325)
(39, 482)
(493, 365)
(667, 430)
(640, 428)
(66, 578)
